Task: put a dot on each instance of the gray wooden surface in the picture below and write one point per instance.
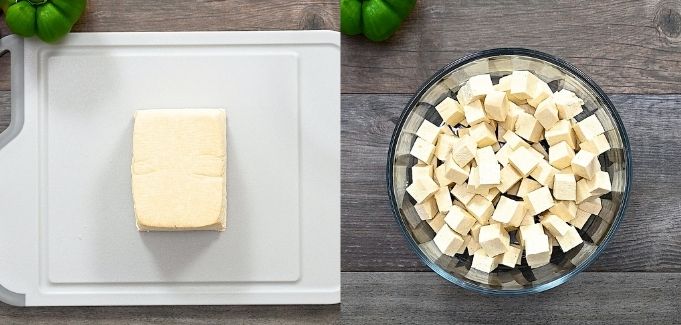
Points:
(182, 15)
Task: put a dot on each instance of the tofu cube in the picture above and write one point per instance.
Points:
(480, 208)
(511, 117)
(542, 91)
(564, 187)
(489, 173)
(496, 105)
(473, 246)
(566, 210)
(494, 239)
(584, 191)
(441, 176)
(570, 240)
(492, 194)
(544, 173)
(504, 84)
(454, 172)
(509, 177)
(509, 212)
(522, 84)
(448, 241)
(474, 179)
(592, 206)
(528, 128)
(538, 148)
(527, 185)
(555, 225)
(581, 219)
(443, 199)
(483, 134)
(466, 240)
(422, 188)
(426, 209)
(568, 104)
(583, 164)
(560, 155)
(464, 151)
(514, 189)
(461, 193)
(503, 153)
(422, 150)
(483, 262)
(444, 145)
(419, 171)
(537, 250)
(514, 141)
(523, 161)
(561, 131)
(445, 129)
(451, 111)
(529, 230)
(598, 145)
(512, 255)
(459, 220)
(547, 113)
(475, 89)
(528, 218)
(588, 128)
(600, 183)
(428, 131)
(539, 200)
(474, 112)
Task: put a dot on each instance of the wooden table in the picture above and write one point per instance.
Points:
(177, 15)
(631, 48)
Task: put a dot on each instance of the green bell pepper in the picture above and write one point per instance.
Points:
(50, 20)
(376, 19)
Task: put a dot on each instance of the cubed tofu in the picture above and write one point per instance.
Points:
(512, 255)
(504, 84)
(446, 129)
(474, 112)
(422, 150)
(483, 134)
(528, 128)
(584, 191)
(483, 262)
(492, 194)
(448, 241)
(501, 130)
(581, 219)
(537, 147)
(489, 173)
(583, 164)
(530, 229)
(523, 161)
(522, 84)
(592, 206)
(422, 188)
(511, 117)
(568, 104)
(466, 240)
(561, 131)
(547, 113)
(503, 153)
(509, 177)
(528, 218)
(588, 128)
(445, 143)
(514, 141)
(473, 246)
(496, 105)
(464, 151)
(475, 89)
(459, 220)
(564, 187)
(570, 240)
(544, 173)
(426, 209)
(494, 239)
(527, 185)
(566, 210)
(461, 193)
(441, 176)
(480, 208)
(555, 225)
(443, 199)
(509, 212)
(454, 172)
(418, 171)
(600, 183)
(539, 200)
(560, 155)
(537, 250)
(513, 190)
(485, 155)
(542, 91)
(450, 110)
(598, 145)
(428, 131)
(474, 178)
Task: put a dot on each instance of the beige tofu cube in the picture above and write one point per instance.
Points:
(527, 185)
(422, 150)
(564, 187)
(496, 147)
(441, 176)
(450, 110)
(569, 240)
(496, 105)
(522, 84)
(444, 145)
(459, 220)
(494, 239)
(544, 173)
(509, 212)
(445, 129)
(514, 141)
(511, 117)
(504, 84)
(474, 112)
(537, 250)
(492, 194)
(473, 246)
(454, 172)
(512, 255)
(461, 132)
(485, 155)
(581, 219)
(560, 155)
(509, 177)
(528, 128)
(561, 131)
(503, 154)
(539, 200)
(418, 171)
(475, 231)
(598, 145)
(547, 113)
(523, 161)
(443, 199)
(584, 191)
(528, 230)
(428, 131)
(555, 225)
(566, 210)
(584, 164)
(542, 91)
(464, 151)
(448, 241)
(483, 134)
(461, 193)
(538, 148)
(422, 188)
(568, 104)
(426, 209)
(593, 206)
(588, 128)
(489, 173)
(437, 222)
(475, 89)
(474, 178)
(528, 218)
(480, 208)
(483, 262)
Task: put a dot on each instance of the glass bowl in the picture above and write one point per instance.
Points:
(596, 232)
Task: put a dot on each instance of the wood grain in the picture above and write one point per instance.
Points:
(590, 298)
(626, 46)
(649, 239)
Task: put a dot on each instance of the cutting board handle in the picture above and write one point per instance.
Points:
(15, 45)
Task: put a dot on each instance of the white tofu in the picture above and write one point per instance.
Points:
(441, 176)
(448, 241)
(528, 128)
(509, 177)
(496, 105)
(514, 141)
(570, 240)
(600, 183)
(428, 131)
(568, 104)
(459, 220)
(560, 155)
(445, 143)
(542, 91)
(528, 218)
(466, 240)
(451, 111)
(566, 210)
(537, 250)
(583, 164)
(511, 117)
(555, 225)
(561, 131)
(475, 231)
(503, 153)
(426, 209)
(489, 173)
(527, 185)
(474, 112)
(473, 246)
(501, 130)
(443, 199)
(475, 89)
(539, 200)
(544, 173)
(418, 171)
(531, 229)
(483, 134)
(464, 151)
(474, 179)
(504, 84)
(537, 147)
(480, 208)
(454, 172)
(422, 188)
(494, 239)
(588, 128)
(512, 255)
(581, 219)
(422, 150)
(492, 194)
(509, 212)
(523, 84)
(592, 206)
(584, 191)
(461, 193)
(523, 161)
(484, 263)
(598, 145)
(564, 187)
(547, 113)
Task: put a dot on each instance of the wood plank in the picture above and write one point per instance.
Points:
(626, 46)
(649, 239)
(424, 298)
(204, 15)
(274, 315)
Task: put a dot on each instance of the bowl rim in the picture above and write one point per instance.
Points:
(436, 78)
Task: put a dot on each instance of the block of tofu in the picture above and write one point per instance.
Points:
(483, 262)
(523, 161)
(492, 195)
(581, 219)
(418, 171)
(504, 84)
(473, 246)
(466, 240)
(564, 187)
(512, 255)
(522, 84)
(542, 91)
(485, 155)
(583, 164)
(592, 206)
(428, 131)
(464, 151)
(598, 145)
(566, 210)
(179, 183)
(568, 104)
(496, 105)
(538, 148)
(422, 150)
(426, 209)
(570, 240)
(537, 250)
(528, 219)
(448, 241)
(600, 183)
(494, 239)
(474, 112)
(509, 177)
(527, 185)
(511, 117)
(454, 172)
(475, 89)
(588, 128)
(547, 113)
(489, 173)
(561, 131)
(503, 153)
(544, 173)
(483, 134)
(461, 132)
(459, 220)
(560, 155)
(461, 193)
(450, 110)
(509, 212)
(529, 230)
(514, 141)
(514, 189)
(422, 188)
(501, 130)
(555, 225)
(539, 200)
(444, 145)
(474, 178)
(496, 147)
(584, 191)
(480, 208)
(437, 222)
(441, 176)
(443, 199)
(528, 128)
(446, 129)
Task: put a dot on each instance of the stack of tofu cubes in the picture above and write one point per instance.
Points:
(510, 172)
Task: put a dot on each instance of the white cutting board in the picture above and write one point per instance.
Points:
(67, 226)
